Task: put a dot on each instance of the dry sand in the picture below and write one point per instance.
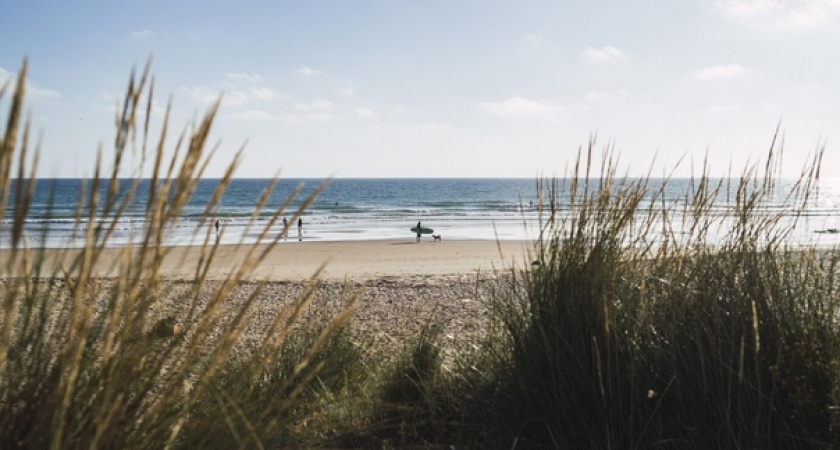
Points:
(351, 260)
(364, 260)
(402, 285)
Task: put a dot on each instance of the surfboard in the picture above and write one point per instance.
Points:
(423, 230)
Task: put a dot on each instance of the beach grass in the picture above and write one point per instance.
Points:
(634, 325)
(610, 339)
(620, 343)
(131, 365)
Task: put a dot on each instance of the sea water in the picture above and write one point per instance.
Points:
(366, 209)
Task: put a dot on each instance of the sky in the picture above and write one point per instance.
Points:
(439, 88)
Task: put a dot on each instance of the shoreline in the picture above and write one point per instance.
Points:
(356, 260)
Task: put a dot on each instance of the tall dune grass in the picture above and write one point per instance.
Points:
(614, 341)
(128, 362)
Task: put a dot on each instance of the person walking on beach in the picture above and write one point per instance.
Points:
(418, 231)
(300, 228)
(285, 231)
(217, 227)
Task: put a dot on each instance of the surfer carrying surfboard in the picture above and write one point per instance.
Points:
(421, 231)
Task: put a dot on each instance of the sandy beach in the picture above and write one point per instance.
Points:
(345, 260)
(365, 260)
(402, 286)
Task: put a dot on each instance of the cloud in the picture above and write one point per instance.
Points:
(434, 127)
(721, 72)
(536, 39)
(6, 76)
(232, 97)
(723, 109)
(32, 90)
(318, 110)
(519, 107)
(247, 77)
(143, 35)
(38, 92)
(605, 55)
(201, 94)
(263, 94)
(318, 116)
(365, 113)
(778, 15)
(253, 115)
(347, 89)
(110, 101)
(308, 71)
(291, 120)
(240, 97)
(315, 105)
(606, 95)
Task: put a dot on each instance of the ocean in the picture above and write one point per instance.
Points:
(365, 209)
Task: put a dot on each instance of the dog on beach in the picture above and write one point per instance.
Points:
(436, 237)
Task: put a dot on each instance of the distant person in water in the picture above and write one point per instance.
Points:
(217, 226)
(285, 231)
(418, 231)
(300, 228)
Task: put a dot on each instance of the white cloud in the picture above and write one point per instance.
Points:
(518, 106)
(723, 109)
(108, 101)
(606, 95)
(778, 15)
(143, 35)
(231, 97)
(201, 94)
(32, 90)
(721, 72)
(536, 39)
(315, 105)
(238, 97)
(434, 127)
(318, 116)
(263, 94)
(605, 55)
(365, 113)
(292, 120)
(235, 98)
(308, 71)
(247, 77)
(38, 92)
(253, 115)
(6, 76)
(115, 101)
(318, 110)
(347, 89)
